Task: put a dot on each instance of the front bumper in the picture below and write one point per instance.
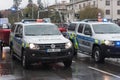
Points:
(44, 56)
(111, 51)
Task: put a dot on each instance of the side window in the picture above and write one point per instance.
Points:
(18, 29)
(87, 30)
(13, 28)
(80, 28)
(72, 27)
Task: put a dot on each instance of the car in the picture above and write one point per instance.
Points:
(100, 40)
(4, 33)
(62, 27)
(35, 42)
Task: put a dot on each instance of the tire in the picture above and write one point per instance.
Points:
(25, 63)
(67, 63)
(98, 55)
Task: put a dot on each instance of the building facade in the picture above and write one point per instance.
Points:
(111, 8)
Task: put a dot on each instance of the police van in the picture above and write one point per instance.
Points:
(98, 39)
(33, 42)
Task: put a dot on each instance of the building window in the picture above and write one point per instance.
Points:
(80, 6)
(107, 2)
(94, 3)
(118, 12)
(88, 4)
(84, 5)
(118, 2)
(107, 12)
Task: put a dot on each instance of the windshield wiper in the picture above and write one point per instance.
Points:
(30, 34)
(99, 32)
(47, 34)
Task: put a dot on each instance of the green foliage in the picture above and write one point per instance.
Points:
(30, 11)
(90, 12)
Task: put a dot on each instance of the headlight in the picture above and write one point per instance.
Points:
(33, 46)
(68, 45)
(109, 43)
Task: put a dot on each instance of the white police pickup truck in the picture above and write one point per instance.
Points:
(33, 42)
(98, 39)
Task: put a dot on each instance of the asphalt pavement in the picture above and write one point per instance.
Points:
(115, 61)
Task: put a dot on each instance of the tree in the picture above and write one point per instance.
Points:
(90, 12)
(55, 17)
(30, 11)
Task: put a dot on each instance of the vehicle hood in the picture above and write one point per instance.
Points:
(113, 37)
(46, 39)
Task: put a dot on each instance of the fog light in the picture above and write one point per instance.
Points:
(69, 53)
(108, 50)
(33, 54)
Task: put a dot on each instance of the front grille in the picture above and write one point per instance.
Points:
(52, 54)
(48, 46)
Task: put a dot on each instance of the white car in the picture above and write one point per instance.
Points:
(33, 42)
(98, 39)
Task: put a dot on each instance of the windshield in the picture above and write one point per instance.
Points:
(106, 28)
(34, 30)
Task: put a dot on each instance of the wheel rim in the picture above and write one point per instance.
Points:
(97, 53)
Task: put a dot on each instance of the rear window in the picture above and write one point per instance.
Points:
(72, 27)
(4, 26)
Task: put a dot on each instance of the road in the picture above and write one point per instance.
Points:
(83, 68)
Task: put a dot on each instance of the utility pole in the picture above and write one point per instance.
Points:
(57, 9)
(41, 8)
(73, 7)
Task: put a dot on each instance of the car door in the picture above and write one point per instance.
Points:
(17, 42)
(86, 38)
(80, 35)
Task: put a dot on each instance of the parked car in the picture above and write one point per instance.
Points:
(4, 36)
(100, 40)
(34, 42)
(62, 27)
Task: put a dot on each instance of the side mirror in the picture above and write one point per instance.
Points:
(88, 33)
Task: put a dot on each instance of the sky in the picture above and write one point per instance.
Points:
(7, 4)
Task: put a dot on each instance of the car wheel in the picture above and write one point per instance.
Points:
(25, 63)
(67, 63)
(98, 56)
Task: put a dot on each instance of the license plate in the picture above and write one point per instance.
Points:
(53, 50)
